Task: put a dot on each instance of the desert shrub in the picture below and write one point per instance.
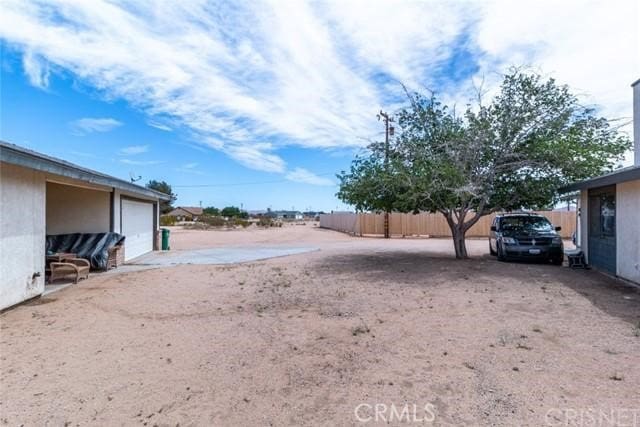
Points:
(242, 222)
(265, 221)
(196, 226)
(166, 220)
(213, 221)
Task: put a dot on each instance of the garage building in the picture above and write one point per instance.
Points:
(41, 195)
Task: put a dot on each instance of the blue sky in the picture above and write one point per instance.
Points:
(261, 103)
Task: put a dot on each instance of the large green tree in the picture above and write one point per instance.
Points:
(512, 153)
(233, 212)
(163, 187)
(213, 211)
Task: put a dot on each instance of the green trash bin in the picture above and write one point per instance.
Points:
(165, 239)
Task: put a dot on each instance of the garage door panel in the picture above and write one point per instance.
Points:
(137, 227)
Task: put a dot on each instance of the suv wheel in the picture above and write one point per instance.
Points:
(559, 260)
(501, 256)
(491, 251)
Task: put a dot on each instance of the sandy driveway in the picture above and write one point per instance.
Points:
(323, 337)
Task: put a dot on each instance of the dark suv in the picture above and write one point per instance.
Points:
(525, 236)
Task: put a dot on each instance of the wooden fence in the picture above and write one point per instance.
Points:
(427, 224)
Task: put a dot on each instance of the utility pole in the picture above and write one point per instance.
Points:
(388, 131)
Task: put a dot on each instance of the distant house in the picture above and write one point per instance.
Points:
(609, 213)
(186, 213)
(284, 215)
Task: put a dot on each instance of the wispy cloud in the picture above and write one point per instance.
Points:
(36, 69)
(90, 125)
(304, 176)
(133, 150)
(250, 78)
(159, 125)
(256, 156)
(141, 162)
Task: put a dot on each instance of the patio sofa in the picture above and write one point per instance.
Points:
(97, 248)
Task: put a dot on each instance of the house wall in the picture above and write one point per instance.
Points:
(22, 231)
(72, 209)
(636, 121)
(628, 230)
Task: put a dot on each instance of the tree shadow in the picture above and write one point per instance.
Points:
(432, 269)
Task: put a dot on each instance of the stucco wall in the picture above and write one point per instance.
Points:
(628, 230)
(22, 229)
(636, 121)
(73, 209)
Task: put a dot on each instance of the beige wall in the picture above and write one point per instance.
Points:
(432, 224)
(22, 229)
(636, 121)
(628, 230)
(73, 209)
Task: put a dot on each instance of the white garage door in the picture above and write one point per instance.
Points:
(137, 227)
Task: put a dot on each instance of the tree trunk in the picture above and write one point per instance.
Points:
(459, 228)
(458, 231)
(459, 244)
(387, 233)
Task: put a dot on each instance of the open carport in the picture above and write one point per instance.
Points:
(61, 198)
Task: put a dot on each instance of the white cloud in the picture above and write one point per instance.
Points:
(89, 125)
(594, 46)
(303, 176)
(248, 78)
(133, 150)
(36, 70)
(256, 157)
(160, 126)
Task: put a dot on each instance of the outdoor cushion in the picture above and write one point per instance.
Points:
(93, 247)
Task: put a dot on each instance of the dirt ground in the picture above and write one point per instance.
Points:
(345, 335)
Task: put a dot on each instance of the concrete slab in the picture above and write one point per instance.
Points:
(51, 288)
(226, 255)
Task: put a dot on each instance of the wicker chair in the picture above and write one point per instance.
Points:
(79, 267)
(116, 256)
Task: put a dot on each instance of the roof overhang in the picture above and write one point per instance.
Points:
(631, 173)
(16, 155)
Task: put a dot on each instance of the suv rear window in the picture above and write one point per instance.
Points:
(525, 223)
